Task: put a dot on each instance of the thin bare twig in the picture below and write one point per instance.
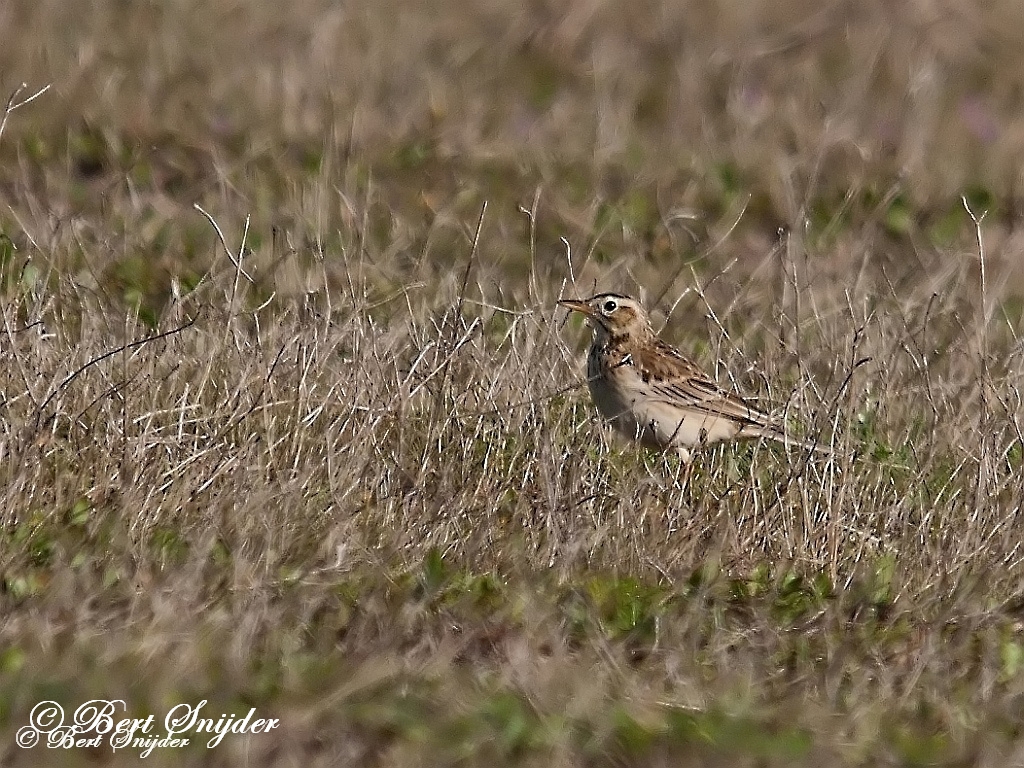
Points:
(13, 103)
(96, 360)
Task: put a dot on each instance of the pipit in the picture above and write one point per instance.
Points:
(653, 394)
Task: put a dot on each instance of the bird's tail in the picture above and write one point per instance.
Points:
(772, 432)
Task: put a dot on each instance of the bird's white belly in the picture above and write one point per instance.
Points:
(659, 424)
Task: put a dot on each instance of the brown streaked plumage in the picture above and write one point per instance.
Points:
(652, 393)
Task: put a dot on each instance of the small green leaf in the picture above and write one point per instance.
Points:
(79, 513)
(1012, 658)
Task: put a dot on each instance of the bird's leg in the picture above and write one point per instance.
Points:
(684, 470)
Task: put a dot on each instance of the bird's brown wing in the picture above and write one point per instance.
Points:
(679, 381)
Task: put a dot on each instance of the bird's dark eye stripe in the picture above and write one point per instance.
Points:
(609, 306)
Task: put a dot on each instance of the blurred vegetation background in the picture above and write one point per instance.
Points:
(648, 124)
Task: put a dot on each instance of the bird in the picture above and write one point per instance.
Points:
(652, 393)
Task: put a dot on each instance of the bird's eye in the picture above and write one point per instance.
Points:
(610, 306)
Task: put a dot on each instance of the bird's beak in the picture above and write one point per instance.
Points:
(577, 306)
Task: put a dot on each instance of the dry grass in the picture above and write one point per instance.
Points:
(339, 466)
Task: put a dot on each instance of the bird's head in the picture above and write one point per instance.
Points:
(612, 315)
